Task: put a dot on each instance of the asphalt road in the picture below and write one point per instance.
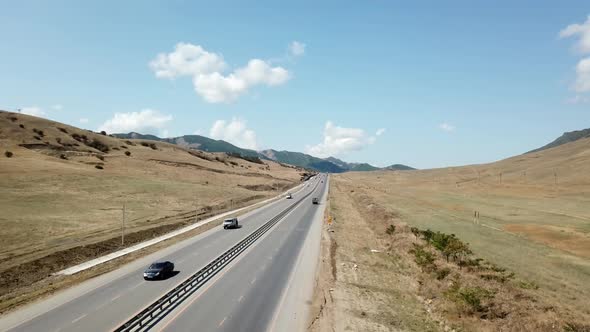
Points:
(104, 307)
(247, 296)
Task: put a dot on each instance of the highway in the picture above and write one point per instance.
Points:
(244, 296)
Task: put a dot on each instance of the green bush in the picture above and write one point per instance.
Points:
(470, 297)
(424, 259)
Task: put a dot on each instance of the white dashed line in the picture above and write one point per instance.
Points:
(77, 319)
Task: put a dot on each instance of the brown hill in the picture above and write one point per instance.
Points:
(63, 189)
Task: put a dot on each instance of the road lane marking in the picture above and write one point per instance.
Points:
(116, 297)
(241, 298)
(77, 319)
(253, 281)
(221, 323)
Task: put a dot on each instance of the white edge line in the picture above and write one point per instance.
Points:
(91, 263)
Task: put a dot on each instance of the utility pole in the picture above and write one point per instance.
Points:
(123, 226)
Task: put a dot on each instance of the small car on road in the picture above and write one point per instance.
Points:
(230, 223)
(289, 196)
(159, 270)
(315, 200)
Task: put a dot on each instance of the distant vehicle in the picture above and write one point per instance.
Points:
(289, 196)
(158, 270)
(230, 223)
(315, 200)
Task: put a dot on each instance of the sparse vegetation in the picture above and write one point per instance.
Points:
(63, 156)
(39, 132)
(442, 273)
(252, 159)
(8, 154)
(129, 143)
(390, 230)
(424, 258)
(22, 126)
(63, 130)
(153, 146)
(37, 138)
(146, 144)
(98, 166)
(100, 157)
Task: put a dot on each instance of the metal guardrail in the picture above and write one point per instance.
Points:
(156, 311)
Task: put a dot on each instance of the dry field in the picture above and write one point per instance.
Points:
(58, 208)
(534, 221)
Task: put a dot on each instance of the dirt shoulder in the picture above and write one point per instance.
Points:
(378, 273)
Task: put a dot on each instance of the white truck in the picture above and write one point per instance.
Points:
(230, 223)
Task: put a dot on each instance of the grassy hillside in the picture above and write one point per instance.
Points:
(62, 190)
(529, 214)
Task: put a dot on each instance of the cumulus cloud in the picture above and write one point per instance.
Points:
(580, 30)
(145, 121)
(340, 140)
(380, 131)
(296, 48)
(446, 127)
(207, 71)
(34, 111)
(235, 132)
(582, 83)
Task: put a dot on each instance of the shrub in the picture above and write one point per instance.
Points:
(37, 138)
(8, 154)
(63, 156)
(501, 278)
(123, 147)
(13, 118)
(116, 148)
(129, 143)
(100, 146)
(390, 230)
(424, 258)
(100, 157)
(98, 167)
(153, 146)
(528, 285)
(127, 153)
(63, 130)
(145, 144)
(22, 126)
(39, 132)
(471, 297)
(414, 230)
(102, 132)
(443, 273)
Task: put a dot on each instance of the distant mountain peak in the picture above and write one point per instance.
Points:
(567, 137)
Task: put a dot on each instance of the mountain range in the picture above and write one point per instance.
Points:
(328, 165)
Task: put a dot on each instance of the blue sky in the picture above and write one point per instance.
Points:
(442, 82)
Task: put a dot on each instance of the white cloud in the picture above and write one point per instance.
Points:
(146, 121)
(380, 131)
(446, 127)
(340, 140)
(582, 83)
(207, 69)
(57, 107)
(234, 132)
(296, 48)
(34, 111)
(187, 60)
(577, 99)
(581, 30)
(83, 120)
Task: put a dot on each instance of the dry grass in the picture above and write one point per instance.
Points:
(528, 224)
(53, 204)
